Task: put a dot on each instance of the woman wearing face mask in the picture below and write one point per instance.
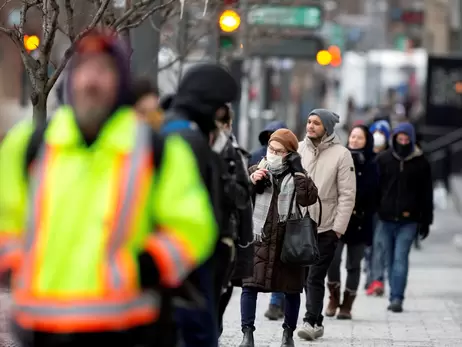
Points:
(275, 180)
(381, 132)
(359, 232)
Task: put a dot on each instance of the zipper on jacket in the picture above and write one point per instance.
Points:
(401, 169)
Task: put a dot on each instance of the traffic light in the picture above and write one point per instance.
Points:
(229, 22)
(336, 54)
(332, 56)
(323, 57)
(31, 42)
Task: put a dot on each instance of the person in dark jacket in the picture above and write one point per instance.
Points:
(239, 257)
(278, 180)
(204, 89)
(381, 134)
(263, 137)
(405, 207)
(359, 232)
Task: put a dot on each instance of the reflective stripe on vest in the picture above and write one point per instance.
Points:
(124, 306)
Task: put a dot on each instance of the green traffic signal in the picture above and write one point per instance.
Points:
(226, 41)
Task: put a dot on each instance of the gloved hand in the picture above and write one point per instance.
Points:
(294, 161)
(423, 230)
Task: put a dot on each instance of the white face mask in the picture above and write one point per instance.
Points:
(274, 161)
(379, 139)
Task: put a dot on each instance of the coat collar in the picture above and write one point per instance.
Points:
(326, 142)
(63, 131)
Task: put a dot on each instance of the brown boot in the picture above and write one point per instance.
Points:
(345, 308)
(334, 299)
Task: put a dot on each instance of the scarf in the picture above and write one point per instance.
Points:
(263, 201)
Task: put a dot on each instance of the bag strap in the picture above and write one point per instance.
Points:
(320, 211)
(292, 200)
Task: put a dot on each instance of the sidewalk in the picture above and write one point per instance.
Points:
(433, 307)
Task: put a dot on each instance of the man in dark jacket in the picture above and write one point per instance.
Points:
(239, 210)
(264, 138)
(191, 112)
(405, 208)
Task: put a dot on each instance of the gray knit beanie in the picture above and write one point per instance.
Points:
(328, 118)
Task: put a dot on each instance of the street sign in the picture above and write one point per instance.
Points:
(307, 17)
(286, 2)
(302, 47)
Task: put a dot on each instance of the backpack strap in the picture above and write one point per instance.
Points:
(176, 125)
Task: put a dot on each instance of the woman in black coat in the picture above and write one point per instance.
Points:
(360, 228)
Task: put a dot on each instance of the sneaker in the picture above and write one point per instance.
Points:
(376, 289)
(309, 332)
(319, 330)
(396, 306)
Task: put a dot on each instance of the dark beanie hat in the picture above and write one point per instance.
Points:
(328, 119)
(286, 138)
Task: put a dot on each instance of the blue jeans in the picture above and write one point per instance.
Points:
(277, 299)
(377, 258)
(395, 240)
(249, 306)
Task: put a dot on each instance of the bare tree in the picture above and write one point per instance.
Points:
(188, 37)
(61, 16)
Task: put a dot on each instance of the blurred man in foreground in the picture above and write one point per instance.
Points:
(98, 213)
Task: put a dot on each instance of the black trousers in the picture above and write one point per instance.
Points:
(316, 276)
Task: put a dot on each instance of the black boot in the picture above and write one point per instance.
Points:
(287, 338)
(247, 339)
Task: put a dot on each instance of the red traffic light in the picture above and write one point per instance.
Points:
(336, 55)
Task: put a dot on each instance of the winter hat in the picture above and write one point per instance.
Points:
(286, 138)
(103, 41)
(202, 91)
(328, 119)
(383, 126)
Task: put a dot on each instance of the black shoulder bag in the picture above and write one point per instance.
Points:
(300, 245)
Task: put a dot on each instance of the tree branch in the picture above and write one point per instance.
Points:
(135, 11)
(144, 16)
(70, 19)
(67, 55)
(50, 25)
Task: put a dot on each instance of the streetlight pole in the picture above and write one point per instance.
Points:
(244, 106)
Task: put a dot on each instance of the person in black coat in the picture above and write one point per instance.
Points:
(405, 208)
(239, 214)
(191, 114)
(360, 228)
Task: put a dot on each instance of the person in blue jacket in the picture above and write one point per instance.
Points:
(264, 136)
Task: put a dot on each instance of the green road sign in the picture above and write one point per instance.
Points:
(307, 17)
(304, 48)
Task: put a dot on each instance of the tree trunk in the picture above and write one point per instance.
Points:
(40, 108)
